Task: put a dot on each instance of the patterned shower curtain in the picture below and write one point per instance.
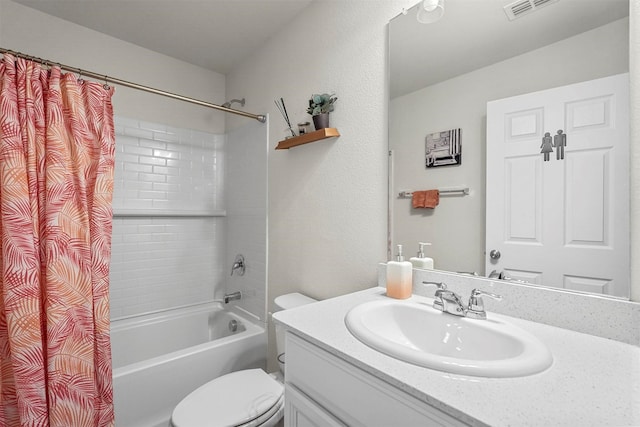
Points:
(56, 183)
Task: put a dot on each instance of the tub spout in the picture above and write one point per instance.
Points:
(232, 296)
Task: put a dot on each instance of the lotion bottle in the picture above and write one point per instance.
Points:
(399, 277)
(420, 260)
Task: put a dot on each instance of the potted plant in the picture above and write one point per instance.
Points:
(319, 107)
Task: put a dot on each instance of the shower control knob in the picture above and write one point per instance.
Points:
(494, 254)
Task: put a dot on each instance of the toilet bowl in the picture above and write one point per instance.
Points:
(246, 398)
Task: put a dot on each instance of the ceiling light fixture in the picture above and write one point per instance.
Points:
(429, 11)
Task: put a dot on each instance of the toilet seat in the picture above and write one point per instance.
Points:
(269, 418)
(245, 398)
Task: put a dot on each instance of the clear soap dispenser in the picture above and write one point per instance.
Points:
(420, 260)
(399, 277)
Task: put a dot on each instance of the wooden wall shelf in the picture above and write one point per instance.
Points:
(318, 135)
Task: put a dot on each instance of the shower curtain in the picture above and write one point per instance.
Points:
(56, 184)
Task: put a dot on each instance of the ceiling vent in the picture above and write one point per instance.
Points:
(519, 8)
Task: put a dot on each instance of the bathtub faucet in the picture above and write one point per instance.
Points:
(232, 296)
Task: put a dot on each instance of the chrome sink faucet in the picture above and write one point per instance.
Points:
(449, 302)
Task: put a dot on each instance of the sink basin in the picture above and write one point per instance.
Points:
(419, 334)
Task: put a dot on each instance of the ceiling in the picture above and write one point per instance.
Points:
(214, 34)
(476, 33)
(218, 34)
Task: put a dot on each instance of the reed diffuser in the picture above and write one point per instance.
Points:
(283, 110)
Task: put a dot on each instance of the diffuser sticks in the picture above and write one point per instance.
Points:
(283, 111)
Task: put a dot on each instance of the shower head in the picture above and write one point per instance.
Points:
(236, 101)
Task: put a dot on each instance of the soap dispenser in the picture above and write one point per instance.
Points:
(420, 260)
(399, 277)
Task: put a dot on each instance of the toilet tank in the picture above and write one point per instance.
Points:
(285, 302)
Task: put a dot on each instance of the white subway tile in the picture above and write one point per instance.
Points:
(165, 137)
(152, 161)
(168, 154)
(152, 177)
(141, 185)
(162, 186)
(161, 262)
(164, 170)
(137, 132)
(154, 195)
(127, 158)
(153, 144)
(131, 146)
(134, 167)
(154, 127)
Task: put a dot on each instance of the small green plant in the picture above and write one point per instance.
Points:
(323, 103)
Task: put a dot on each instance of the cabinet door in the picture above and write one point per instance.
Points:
(302, 412)
(352, 395)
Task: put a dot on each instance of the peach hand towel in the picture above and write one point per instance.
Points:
(425, 199)
(417, 199)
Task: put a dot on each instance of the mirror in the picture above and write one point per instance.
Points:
(441, 77)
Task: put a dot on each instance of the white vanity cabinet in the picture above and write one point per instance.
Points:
(324, 390)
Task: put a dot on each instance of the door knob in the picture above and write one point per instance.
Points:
(494, 254)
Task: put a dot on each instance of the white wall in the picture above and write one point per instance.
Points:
(456, 226)
(327, 200)
(35, 33)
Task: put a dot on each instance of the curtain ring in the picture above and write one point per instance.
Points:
(80, 79)
(106, 83)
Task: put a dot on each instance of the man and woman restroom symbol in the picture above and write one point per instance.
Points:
(559, 141)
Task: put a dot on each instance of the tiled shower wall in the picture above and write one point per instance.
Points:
(169, 228)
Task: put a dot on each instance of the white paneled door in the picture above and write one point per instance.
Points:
(564, 221)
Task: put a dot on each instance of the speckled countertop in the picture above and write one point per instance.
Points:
(593, 381)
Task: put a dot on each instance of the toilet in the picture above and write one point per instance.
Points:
(246, 398)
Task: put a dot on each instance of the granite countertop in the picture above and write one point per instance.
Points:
(593, 381)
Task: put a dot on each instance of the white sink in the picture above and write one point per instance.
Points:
(419, 334)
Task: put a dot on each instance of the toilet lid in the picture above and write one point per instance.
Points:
(229, 400)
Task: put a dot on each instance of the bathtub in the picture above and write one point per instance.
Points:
(158, 359)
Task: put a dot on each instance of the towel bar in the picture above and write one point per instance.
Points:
(462, 191)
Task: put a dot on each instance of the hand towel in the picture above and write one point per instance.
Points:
(417, 199)
(425, 199)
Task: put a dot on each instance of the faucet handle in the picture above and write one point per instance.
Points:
(238, 264)
(476, 305)
(437, 303)
(478, 292)
(439, 285)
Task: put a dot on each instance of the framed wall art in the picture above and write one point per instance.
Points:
(443, 148)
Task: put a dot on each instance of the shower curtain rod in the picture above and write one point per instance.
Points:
(107, 79)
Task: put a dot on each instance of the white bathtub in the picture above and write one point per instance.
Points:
(158, 359)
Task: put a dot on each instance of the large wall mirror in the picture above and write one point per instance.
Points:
(444, 74)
